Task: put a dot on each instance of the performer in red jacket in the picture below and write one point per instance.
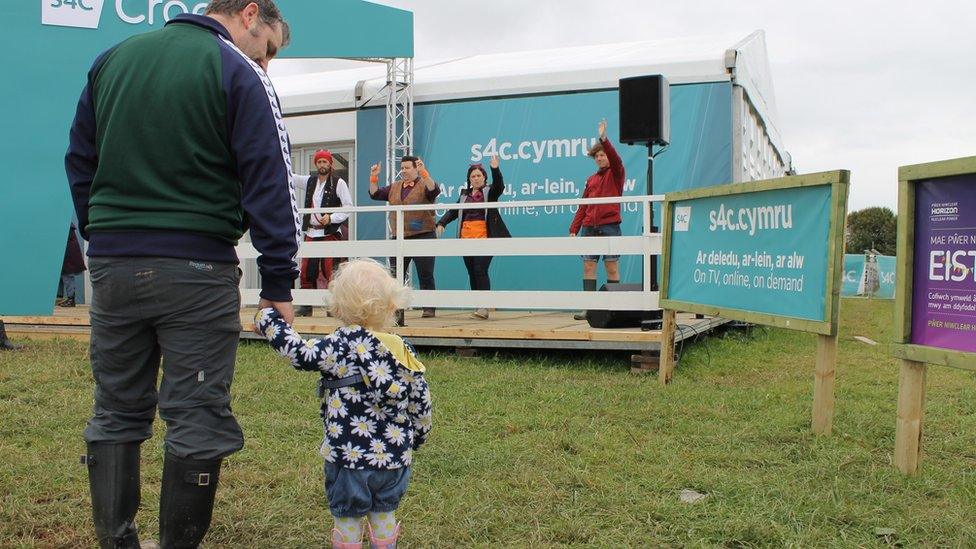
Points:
(600, 219)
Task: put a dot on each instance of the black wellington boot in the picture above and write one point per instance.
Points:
(6, 344)
(186, 500)
(113, 477)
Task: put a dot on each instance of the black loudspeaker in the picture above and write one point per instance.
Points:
(645, 110)
(619, 319)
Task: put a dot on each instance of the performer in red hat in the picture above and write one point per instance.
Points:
(323, 190)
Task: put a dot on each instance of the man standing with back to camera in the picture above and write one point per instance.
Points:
(176, 149)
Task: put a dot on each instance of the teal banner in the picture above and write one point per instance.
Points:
(347, 29)
(541, 142)
(764, 251)
(869, 276)
(56, 42)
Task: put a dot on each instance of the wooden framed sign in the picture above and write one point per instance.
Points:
(935, 295)
(766, 252)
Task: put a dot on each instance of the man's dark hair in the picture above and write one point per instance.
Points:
(267, 11)
(285, 34)
(411, 159)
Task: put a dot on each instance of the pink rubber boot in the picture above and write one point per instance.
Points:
(339, 541)
(388, 543)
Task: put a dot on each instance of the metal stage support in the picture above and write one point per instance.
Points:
(399, 113)
(399, 132)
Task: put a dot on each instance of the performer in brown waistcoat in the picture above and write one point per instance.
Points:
(416, 187)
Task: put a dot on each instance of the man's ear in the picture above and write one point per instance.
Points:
(250, 15)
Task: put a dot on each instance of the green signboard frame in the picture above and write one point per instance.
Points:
(839, 181)
(904, 277)
(916, 358)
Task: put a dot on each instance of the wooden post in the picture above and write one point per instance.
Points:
(666, 367)
(908, 430)
(466, 352)
(644, 363)
(823, 384)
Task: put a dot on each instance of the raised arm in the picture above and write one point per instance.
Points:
(425, 177)
(374, 179)
(616, 164)
(497, 181)
(431, 190)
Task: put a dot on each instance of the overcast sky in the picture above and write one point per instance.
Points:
(864, 86)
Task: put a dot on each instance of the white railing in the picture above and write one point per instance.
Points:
(645, 245)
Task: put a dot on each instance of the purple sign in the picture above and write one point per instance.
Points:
(944, 285)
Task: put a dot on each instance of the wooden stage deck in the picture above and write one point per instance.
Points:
(450, 328)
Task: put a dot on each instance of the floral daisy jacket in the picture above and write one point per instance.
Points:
(375, 424)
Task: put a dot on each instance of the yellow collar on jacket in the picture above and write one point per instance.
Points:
(399, 350)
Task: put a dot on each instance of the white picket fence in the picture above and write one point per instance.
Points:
(645, 245)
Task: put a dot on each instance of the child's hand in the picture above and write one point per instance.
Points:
(302, 354)
(261, 320)
(284, 308)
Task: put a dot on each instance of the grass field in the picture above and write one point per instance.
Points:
(552, 450)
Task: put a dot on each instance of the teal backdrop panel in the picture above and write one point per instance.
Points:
(55, 43)
(762, 251)
(856, 285)
(541, 142)
(347, 28)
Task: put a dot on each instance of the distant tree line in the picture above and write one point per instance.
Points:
(872, 228)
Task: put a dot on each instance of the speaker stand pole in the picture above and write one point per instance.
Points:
(650, 210)
(656, 316)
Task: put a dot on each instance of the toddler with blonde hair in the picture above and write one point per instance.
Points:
(375, 402)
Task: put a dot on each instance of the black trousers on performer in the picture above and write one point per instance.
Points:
(478, 271)
(425, 265)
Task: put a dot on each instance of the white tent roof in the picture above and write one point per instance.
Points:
(682, 61)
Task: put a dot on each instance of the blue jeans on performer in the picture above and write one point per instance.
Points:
(610, 229)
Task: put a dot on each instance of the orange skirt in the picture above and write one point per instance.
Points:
(474, 229)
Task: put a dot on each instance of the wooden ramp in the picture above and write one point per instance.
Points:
(450, 328)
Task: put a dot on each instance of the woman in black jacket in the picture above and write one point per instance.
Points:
(476, 223)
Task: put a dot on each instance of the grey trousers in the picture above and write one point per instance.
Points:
(188, 314)
(68, 286)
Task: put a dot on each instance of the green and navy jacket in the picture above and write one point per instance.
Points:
(178, 147)
(376, 423)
